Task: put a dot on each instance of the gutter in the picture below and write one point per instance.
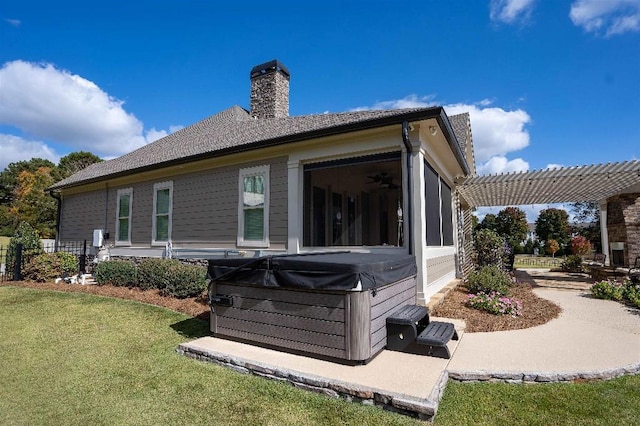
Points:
(58, 198)
(408, 220)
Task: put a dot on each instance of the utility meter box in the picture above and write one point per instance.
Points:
(98, 238)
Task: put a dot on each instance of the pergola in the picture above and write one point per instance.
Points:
(560, 185)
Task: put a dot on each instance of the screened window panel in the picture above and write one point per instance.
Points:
(124, 206)
(123, 229)
(162, 201)
(254, 224)
(432, 205)
(447, 215)
(162, 228)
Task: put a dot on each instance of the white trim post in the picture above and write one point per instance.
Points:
(604, 232)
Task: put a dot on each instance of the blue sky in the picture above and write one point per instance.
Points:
(546, 83)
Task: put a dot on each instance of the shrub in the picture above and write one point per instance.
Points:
(154, 273)
(48, 266)
(552, 246)
(580, 245)
(495, 303)
(115, 272)
(185, 281)
(489, 248)
(572, 263)
(28, 237)
(631, 293)
(608, 289)
(489, 279)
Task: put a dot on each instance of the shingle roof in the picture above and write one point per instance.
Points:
(461, 124)
(234, 130)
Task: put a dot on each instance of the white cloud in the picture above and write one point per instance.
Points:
(13, 22)
(153, 134)
(14, 148)
(510, 11)
(500, 164)
(55, 105)
(608, 17)
(552, 166)
(411, 101)
(495, 130)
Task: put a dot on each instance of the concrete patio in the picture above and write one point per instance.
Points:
(591, 339)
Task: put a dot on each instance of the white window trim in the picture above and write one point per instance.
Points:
(129, 192)
(253, 171)
(158, 187)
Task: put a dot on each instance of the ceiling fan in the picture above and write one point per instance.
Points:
(384, 180)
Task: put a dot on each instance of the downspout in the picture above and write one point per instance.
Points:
(58, 198)
(408, 221)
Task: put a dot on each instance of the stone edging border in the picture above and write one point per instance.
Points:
(541, 377)
(424, 409)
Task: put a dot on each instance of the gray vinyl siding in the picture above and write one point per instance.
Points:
(81, 214)
(205, 207)
(205, 204)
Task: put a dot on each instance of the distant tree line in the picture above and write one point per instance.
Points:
(552, 228)
(23, 191)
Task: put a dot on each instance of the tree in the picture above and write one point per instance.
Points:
(489, 222)
(74, 162)
(552, 247)
(553, 224)
(489, 247)
(587, 215)
(32, 203)
(22, 190)
(9, 176)
(580, 245)
(511, 224)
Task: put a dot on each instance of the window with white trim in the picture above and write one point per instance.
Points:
(123, 216)
(162, 212)
(253, 207)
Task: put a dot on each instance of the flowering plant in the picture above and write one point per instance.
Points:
(609, 289)
(495, 303)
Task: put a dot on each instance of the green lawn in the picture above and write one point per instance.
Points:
(71, 358)
(614, 402)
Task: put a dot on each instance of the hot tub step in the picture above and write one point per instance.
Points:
(436, 336)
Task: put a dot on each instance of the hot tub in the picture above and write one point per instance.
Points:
(331, 305)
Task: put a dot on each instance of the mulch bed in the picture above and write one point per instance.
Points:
(194, 306)
(535, 310)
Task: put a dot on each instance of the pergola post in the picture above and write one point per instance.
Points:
(604, 232)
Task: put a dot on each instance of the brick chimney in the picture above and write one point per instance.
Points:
(270, 90)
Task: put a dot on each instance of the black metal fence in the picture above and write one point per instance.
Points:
(21, 256)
